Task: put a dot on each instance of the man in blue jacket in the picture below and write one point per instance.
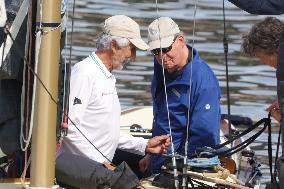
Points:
(191, 86)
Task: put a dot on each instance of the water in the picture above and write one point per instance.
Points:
(252, 85)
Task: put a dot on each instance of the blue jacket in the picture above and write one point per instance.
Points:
(269, 7)
(204, 113)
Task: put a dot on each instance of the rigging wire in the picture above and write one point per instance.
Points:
(66, 74)
(64, 126)
(225, 44)
(276, 156)
(167, 105)
(184, 179)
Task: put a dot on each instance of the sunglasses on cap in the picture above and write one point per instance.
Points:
(164, 50)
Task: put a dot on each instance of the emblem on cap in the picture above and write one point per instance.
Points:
(154, 32)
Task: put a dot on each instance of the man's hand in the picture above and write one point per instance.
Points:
(275, 111)
(109, 166)
(144, 163)
(158, 144)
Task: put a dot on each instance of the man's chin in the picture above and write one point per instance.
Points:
(171, 69)
(120, 67)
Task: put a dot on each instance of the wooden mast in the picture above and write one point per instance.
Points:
(44, 137)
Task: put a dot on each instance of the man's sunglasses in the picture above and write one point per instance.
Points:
(164, 50)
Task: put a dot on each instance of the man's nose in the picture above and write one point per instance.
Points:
(133, 55)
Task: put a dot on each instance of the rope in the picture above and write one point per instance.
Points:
(210, 152)
(245, 143)
(277, 153)
(184, 179)
(243, 133)
(225, 44)
(38, 43)
(269, 149)
(66, 81)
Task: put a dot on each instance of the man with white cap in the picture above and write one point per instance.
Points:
(94, 111)
(190, 84)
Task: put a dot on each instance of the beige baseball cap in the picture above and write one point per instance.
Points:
(123, 26)
(161, 32)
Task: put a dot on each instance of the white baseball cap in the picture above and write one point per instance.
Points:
(161, 33)
(123, 26)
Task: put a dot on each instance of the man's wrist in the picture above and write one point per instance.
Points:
(146, 147)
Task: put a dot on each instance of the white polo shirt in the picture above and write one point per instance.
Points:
(95, 109)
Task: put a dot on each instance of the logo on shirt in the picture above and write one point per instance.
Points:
(207, 106)
(77, 101)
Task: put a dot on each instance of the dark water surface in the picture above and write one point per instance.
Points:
(252, 85)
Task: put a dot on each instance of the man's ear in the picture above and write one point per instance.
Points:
(113, 46)
(181, 39)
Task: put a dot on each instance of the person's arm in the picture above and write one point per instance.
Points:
(205, 119)
(262, 7)
(129, 143)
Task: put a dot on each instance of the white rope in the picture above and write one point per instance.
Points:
(23, 175)
(22, 137)
(167, 104)
(38, 44)
(65, 59)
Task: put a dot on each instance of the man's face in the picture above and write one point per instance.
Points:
(171, 55)
(268, 59)
(123, 55)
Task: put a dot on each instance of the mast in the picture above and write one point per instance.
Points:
(45, 112)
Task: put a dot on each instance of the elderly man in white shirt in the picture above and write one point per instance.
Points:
(94, 111)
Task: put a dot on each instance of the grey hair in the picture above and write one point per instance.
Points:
(181, 33)
(104, 41)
